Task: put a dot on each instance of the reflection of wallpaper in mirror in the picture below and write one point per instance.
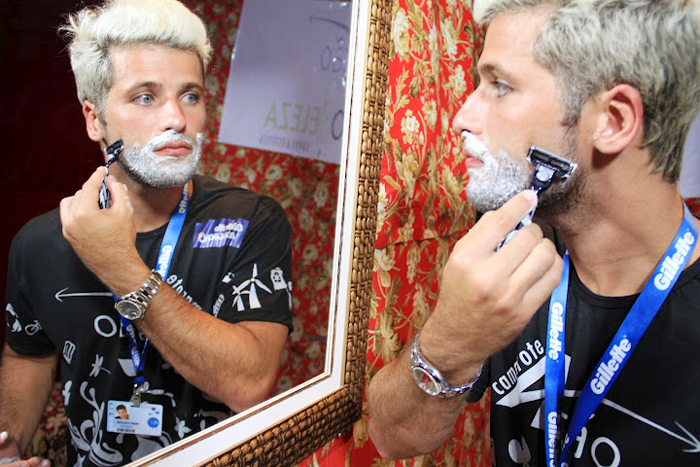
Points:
(306, 189)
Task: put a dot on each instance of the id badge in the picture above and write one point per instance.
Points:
(124, 417)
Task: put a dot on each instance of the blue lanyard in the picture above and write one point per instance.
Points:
(618, 352)
(165, 256)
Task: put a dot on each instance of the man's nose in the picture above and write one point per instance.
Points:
(172, 116)
(470, 116)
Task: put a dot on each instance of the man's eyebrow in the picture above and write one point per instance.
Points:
(491, 69)
(144, 84)
(193, 85)
(157, 86)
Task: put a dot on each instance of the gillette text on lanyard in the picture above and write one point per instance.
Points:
(619, 350)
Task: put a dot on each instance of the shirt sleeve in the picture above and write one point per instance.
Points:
(477, 391)
(260, 283)
(23, 332)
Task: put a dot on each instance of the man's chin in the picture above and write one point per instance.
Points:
(161, 180)
(486, 197)
(484, 204)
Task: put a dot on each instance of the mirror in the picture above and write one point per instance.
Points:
(289, 427)
(307, 412)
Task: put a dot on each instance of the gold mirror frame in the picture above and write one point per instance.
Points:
(302, 431)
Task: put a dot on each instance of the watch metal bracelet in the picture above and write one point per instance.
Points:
(430, 379)
(133, 305)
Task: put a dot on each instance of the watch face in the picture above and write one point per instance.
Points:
(426, 381)
(129, 309)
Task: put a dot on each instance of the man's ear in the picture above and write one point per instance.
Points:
(620, 119)
(93, 125)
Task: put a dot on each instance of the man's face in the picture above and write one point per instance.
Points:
(514, 107)
(156, 106)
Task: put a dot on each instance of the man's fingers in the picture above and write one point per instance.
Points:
(542, 271)
(92, 186)
(519, 249)
(493, 227)
(89, 191)
(31, 462)
(119, 193)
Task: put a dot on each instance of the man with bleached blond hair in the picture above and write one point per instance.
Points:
(587, 334)
(162, 293)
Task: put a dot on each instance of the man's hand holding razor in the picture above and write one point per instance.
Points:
(486, 296)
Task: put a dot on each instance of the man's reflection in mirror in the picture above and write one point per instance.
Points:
(167, 302)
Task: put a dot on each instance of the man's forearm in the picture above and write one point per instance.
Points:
(236, 363)
(25, 385)
(404, 420)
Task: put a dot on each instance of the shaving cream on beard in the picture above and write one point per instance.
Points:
(144, 166)
(500, 178)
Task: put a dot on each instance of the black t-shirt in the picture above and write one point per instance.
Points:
(232, 260)
(650, 416)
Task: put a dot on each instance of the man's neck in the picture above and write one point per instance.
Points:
(153, 207)
(615, 242)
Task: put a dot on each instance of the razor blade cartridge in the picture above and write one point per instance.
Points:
(547, 168)
(113, 150)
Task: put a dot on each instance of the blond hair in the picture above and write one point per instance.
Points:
(122, 23)
(594, 45)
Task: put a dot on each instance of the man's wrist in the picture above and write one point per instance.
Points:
(430, 379)
(453, 360)
(131, 281)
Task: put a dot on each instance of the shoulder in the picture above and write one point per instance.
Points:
(213, 195)
(45, 228)
(39, 237)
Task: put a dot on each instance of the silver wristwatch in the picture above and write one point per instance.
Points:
(430, 379)
(133, 306)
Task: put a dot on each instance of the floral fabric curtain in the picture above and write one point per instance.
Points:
(423, 208)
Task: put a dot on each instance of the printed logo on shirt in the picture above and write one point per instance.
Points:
(521, 386)
(11, 319)
(247, 293)
(68, 351)
(217, 233)
(177, 284)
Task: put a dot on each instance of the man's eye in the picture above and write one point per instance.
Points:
(144, 99)
(501, 88)
(191, 97)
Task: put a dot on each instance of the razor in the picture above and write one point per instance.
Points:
(548, 167)
(112, 151)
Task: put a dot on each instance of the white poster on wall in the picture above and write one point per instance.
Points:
(286, 86)
(689, 184)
